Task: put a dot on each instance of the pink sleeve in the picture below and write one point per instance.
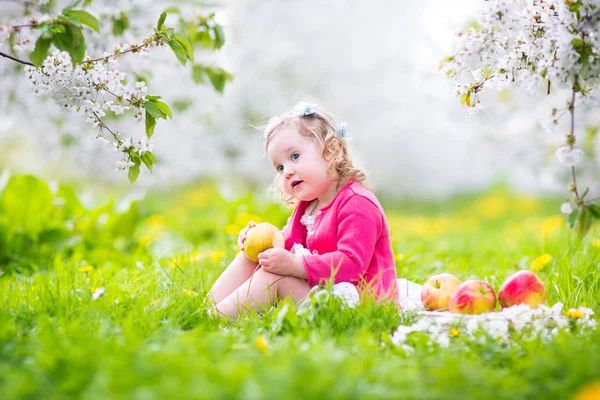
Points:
(359, 226)
(285, 228)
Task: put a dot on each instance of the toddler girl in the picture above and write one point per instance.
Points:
(337, 229)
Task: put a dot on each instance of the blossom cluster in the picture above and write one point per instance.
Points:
(94, 88)
(518, 322)
(522, 43)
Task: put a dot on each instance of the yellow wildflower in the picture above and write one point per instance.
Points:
(575, 314)
(189, 292)
(195, 256)
(492, 206)
(33, 288)
(86, 268)
(596, 243)
(232, 229)
(261, 344)
(540, 262)
(145, 240)
(591, 391)
(526, 205)
(157, 220)
(154, 302)
(551, 224)
(217, 255)
(243, 218)
(400, 257)
(454, 332)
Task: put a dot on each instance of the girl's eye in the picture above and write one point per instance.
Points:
(279, 168)
(295, 156)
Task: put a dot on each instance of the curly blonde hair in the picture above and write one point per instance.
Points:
(320, 126)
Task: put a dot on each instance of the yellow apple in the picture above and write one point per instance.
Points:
(437, 290)
(261, 237)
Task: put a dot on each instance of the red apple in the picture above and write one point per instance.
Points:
(523, 287)
(437, 290)
(473, 297)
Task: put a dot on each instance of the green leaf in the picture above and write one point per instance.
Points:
(120, 24)
(198, 73)
(587, 190)
(152, 97)
(219, 36)
(85, 18)
(444, 61)
(38, 55)
(595, 210)
(78, 50)
(574, 6)
(179, 51)
(161, 20)
(466, 99)
(189, 50)
(204, 38)
(573, 216)
(150, 124)
(134, 170)
(153, 109)
(72, 41)
(584, 222)
(218, 77)
(148, 159)
(164, 108)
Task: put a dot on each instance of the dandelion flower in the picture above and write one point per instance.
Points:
(591, 391)
(540, 262)
(400, 257)
(86, 268)
(454, 332)
(575, 314)
(261, 344)
(596, 243)
(189, 292)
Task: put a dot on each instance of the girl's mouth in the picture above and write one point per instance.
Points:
(296, 183)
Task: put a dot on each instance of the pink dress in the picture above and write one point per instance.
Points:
(349, 239)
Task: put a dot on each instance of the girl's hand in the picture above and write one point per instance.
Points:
(243, 233)
(281, 262)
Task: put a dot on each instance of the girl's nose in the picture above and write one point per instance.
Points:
(288, 171)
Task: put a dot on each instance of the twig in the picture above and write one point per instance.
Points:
(15, 59)
(83, 62)
(103, 125)
(572, 111)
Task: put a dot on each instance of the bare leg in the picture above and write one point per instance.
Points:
(238, 272)
(261, 291)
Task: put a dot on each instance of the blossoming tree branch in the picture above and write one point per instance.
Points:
(58, 66)
(529, 43)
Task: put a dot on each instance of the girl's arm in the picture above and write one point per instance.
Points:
(360, 223)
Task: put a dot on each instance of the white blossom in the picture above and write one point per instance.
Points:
(569, 156)
(520, 321)
(527, 43)
(566, 208)
(123, 164)
(98, 293)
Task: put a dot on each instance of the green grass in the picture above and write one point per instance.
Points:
(149, 337)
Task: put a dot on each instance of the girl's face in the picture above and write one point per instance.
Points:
(298, 161)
